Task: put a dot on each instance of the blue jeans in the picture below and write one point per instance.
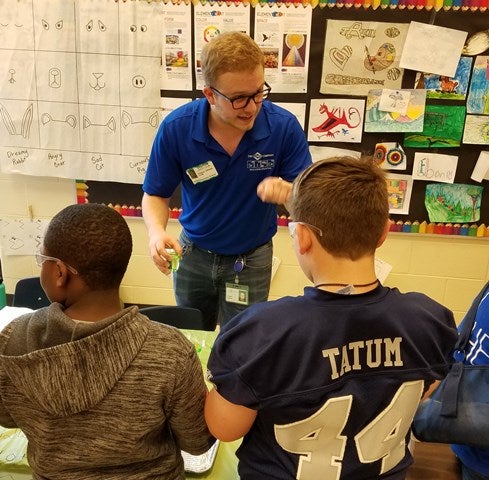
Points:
(201, 278)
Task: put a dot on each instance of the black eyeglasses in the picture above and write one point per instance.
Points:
(243, 100)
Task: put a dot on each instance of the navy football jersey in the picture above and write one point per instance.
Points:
(335, 379)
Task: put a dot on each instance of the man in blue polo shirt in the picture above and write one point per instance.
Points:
(235, 156)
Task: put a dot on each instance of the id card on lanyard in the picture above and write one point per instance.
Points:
(235, 292)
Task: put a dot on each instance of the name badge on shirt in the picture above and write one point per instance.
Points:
(203, 172)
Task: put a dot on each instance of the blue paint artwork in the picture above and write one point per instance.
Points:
(448, 88)
(478, 98)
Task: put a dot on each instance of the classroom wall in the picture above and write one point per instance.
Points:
(449, 269)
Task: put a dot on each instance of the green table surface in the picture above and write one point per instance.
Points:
(13, 444)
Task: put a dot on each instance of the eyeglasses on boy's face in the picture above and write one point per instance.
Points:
(293, 226)
(40, 259)
(243, 100)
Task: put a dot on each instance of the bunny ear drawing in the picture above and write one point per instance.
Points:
(7, 120)
(476, 43)
(26, 121)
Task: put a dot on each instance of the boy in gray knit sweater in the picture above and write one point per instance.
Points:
(98, 390)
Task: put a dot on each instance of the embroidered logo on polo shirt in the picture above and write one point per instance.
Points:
(259, 161)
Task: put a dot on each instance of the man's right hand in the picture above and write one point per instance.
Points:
(157, 247)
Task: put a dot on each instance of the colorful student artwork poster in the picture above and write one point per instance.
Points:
(336, 120)
(434, 167)
(443, 87)
(443, 127)
(455, 202)
(390, 156)
(361, 55)
(284, 36)
(395, 110)
(476, 130)
(399, 189)
(478, 98)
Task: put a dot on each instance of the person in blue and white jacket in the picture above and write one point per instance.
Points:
(475, 461)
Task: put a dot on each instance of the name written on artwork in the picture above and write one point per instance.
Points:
(364, 354)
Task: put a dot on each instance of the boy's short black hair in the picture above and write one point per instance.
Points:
(94, 239)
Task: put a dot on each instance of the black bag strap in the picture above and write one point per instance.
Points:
(449, 396)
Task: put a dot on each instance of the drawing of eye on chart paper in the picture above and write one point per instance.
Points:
(284, 36)
(211, 20)
(83, 90)
(360, 56)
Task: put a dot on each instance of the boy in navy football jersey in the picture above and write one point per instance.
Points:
(325, 385)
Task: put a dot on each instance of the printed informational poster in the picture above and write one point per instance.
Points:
(83, 92)
(212, 19)
(176, 46)
(284, 35)
(360, 56)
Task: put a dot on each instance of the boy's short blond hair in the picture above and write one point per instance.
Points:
(230, 52)
(347, 199)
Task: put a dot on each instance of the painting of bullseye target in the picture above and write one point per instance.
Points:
(379, 154)
(390, 156)
(395, 157)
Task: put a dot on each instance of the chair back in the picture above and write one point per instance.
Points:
(181, 317)
(29, 293)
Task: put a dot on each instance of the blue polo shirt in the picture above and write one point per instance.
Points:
(224, 214)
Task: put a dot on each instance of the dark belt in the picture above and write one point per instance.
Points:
(249, 252)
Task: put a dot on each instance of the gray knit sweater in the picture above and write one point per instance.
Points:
(114, 399)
